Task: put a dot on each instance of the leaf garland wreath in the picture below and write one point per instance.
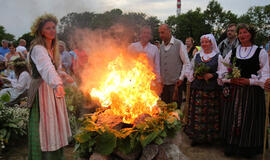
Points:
(104, 140)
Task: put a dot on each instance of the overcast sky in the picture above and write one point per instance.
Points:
(17, 16)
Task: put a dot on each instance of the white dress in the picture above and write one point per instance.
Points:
(54, 128)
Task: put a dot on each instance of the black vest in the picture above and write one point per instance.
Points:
(247, 66)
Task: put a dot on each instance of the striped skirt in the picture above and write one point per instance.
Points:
(243, 117)
(34, 148)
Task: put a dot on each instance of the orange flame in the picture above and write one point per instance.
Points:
(126, 88)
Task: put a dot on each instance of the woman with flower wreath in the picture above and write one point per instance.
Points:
(243, 109)
(49, 127)
(203, 112)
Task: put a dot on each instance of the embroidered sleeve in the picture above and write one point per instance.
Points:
(263, 73)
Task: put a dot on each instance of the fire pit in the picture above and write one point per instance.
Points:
(131, 115)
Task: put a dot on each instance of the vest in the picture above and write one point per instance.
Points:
(171, 63)
(248, 66)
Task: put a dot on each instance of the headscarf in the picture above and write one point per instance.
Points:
(215, 49)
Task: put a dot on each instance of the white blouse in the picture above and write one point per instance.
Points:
(45, 67)
(246, 53)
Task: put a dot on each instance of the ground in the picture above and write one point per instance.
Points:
(214, 152)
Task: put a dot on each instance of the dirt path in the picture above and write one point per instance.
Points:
(215, 152)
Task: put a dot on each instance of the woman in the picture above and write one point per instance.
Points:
(191, 49)
(12, 55)
(22, 81)
(244, 101)
(49, 127)
(203, 112)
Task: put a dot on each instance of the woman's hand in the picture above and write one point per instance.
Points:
(267, 85)
(60, 93)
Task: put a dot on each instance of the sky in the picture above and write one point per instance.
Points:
(17, 16)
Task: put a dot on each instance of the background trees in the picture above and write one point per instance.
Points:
(193, 23)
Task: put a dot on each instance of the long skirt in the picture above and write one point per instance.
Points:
(203, 116)
(243, 118)
(34, 148)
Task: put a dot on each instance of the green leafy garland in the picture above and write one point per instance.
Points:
(74, 100)
(104, 140)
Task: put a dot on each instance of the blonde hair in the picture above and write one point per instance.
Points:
(40, 40)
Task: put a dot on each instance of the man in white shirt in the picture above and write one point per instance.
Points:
(174, 64)
(21, 48)
(144, 46)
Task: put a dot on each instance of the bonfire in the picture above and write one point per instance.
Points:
(130, 116)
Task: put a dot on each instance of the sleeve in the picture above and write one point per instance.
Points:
(45, 67)
(21, 83)
(157, 63)
(222, 69)
(263, 73)
(185, 60)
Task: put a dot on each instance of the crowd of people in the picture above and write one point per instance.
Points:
(224, 104)
(227, 85)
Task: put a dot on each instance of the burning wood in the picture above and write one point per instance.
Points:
(127, 89)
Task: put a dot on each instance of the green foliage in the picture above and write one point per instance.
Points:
(183, 27)
(200, 69)
(74, 101)
(104, 140)
(4, 35)
(105, 143)
(13, 121)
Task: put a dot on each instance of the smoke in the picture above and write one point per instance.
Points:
(102, 47)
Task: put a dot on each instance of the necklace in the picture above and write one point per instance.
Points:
(246, 55)
(205, 60)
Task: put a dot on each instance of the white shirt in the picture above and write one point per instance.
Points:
(152, 54)
(183, 55)
(18, 86)
(246, 53)
(21, 49)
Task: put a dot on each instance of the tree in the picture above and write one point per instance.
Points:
(217, 18)
(189, 24)
(132, 21)
(4, 35)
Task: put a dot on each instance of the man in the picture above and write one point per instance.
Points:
(4, 49)
(144, 46)
(230, 42)
(174, 63)
(66, 59)
(21, 48)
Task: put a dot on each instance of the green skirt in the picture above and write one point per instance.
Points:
(34, 148)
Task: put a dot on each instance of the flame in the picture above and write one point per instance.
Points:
(126, 88)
